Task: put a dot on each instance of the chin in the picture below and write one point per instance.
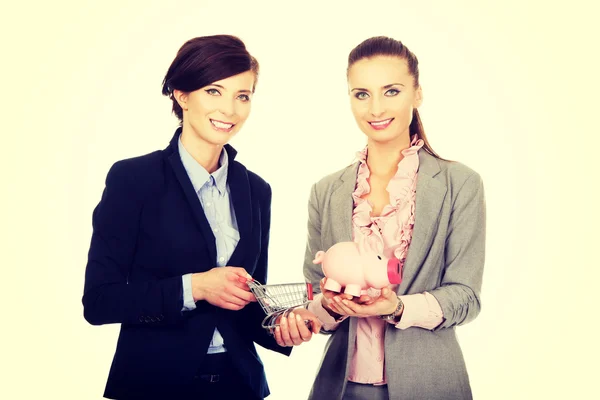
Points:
(218, 141)
(215, 138)
(382, 138)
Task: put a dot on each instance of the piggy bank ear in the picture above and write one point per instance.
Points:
(319, 257)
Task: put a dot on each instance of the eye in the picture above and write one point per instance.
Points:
(379, 257)
(392, 92)
(244, 98)
(213, 92)
(361, 95)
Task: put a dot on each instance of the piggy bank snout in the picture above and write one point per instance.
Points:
(394, 271)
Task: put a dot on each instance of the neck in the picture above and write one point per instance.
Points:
(206, 154)
(383, 158)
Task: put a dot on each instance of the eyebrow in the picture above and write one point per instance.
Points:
(239, 91)
(384, 87)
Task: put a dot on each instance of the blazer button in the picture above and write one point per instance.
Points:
(146, 320)
(152, 319)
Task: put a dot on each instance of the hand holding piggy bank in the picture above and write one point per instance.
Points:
(351, 265)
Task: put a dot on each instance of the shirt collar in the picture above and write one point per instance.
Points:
(415, 145)
(199, 176)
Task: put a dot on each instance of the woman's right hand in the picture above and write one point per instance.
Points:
(224, 287)
(330, 304)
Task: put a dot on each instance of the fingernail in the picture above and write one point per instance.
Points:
(345, 302)
(292, 315)
(298, 318)
(283, 321)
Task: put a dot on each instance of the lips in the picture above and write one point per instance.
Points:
(382, 124)
(222, 126)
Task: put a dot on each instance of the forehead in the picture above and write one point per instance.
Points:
(379, 71)
(243, 81)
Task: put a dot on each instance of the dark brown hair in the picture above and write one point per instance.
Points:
(385, 46)
(204, 60)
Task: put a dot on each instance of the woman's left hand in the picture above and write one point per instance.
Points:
(385, 304)
(293, 331)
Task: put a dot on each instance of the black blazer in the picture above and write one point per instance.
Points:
(149, 229)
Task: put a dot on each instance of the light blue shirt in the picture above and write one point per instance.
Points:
(213, 193)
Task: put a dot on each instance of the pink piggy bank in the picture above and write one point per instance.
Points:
(350, 265)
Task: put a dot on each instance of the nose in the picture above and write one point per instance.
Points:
(376, 108)
(227, 108)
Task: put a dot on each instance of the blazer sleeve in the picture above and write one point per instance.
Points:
(459, 293)
(312, 272)
(108, 295)
(253, 312)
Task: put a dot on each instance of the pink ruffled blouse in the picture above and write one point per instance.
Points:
(390, 234)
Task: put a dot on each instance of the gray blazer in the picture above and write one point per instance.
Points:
(445, 258)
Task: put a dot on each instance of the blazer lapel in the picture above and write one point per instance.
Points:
(430, 196)
(239, 188)
(342, 206)
(192, 198)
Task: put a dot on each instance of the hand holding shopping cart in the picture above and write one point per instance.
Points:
(285, 309)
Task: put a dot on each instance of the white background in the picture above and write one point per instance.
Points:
(510, 88)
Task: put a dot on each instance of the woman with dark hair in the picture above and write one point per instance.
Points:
(403, 201)
(176, 236)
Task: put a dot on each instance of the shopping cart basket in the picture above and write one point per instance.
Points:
(280, 299)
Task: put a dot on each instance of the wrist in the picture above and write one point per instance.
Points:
(197, 290)
(396, 312)
(393, 308)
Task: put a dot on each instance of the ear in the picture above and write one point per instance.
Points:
(418, 97)
(181, 98)
(319, 257)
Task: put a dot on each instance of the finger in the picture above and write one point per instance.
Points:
(241, 294)
(352, 306)
(230, 306)
(293, 329)
(233, 276)
(278, 338)
(285, 333)
(331, 306)
(242, 282)
(364, 299)
(305, 333)
(230, 298)
(336, 310)
(241, 272)
(315, 325)
(390, 295)
(346, 296)
(344, 309)
(329, 295)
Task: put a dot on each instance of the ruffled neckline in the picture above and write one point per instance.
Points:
(401, 189)
(398, 187)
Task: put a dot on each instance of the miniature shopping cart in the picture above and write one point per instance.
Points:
(277, 300)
